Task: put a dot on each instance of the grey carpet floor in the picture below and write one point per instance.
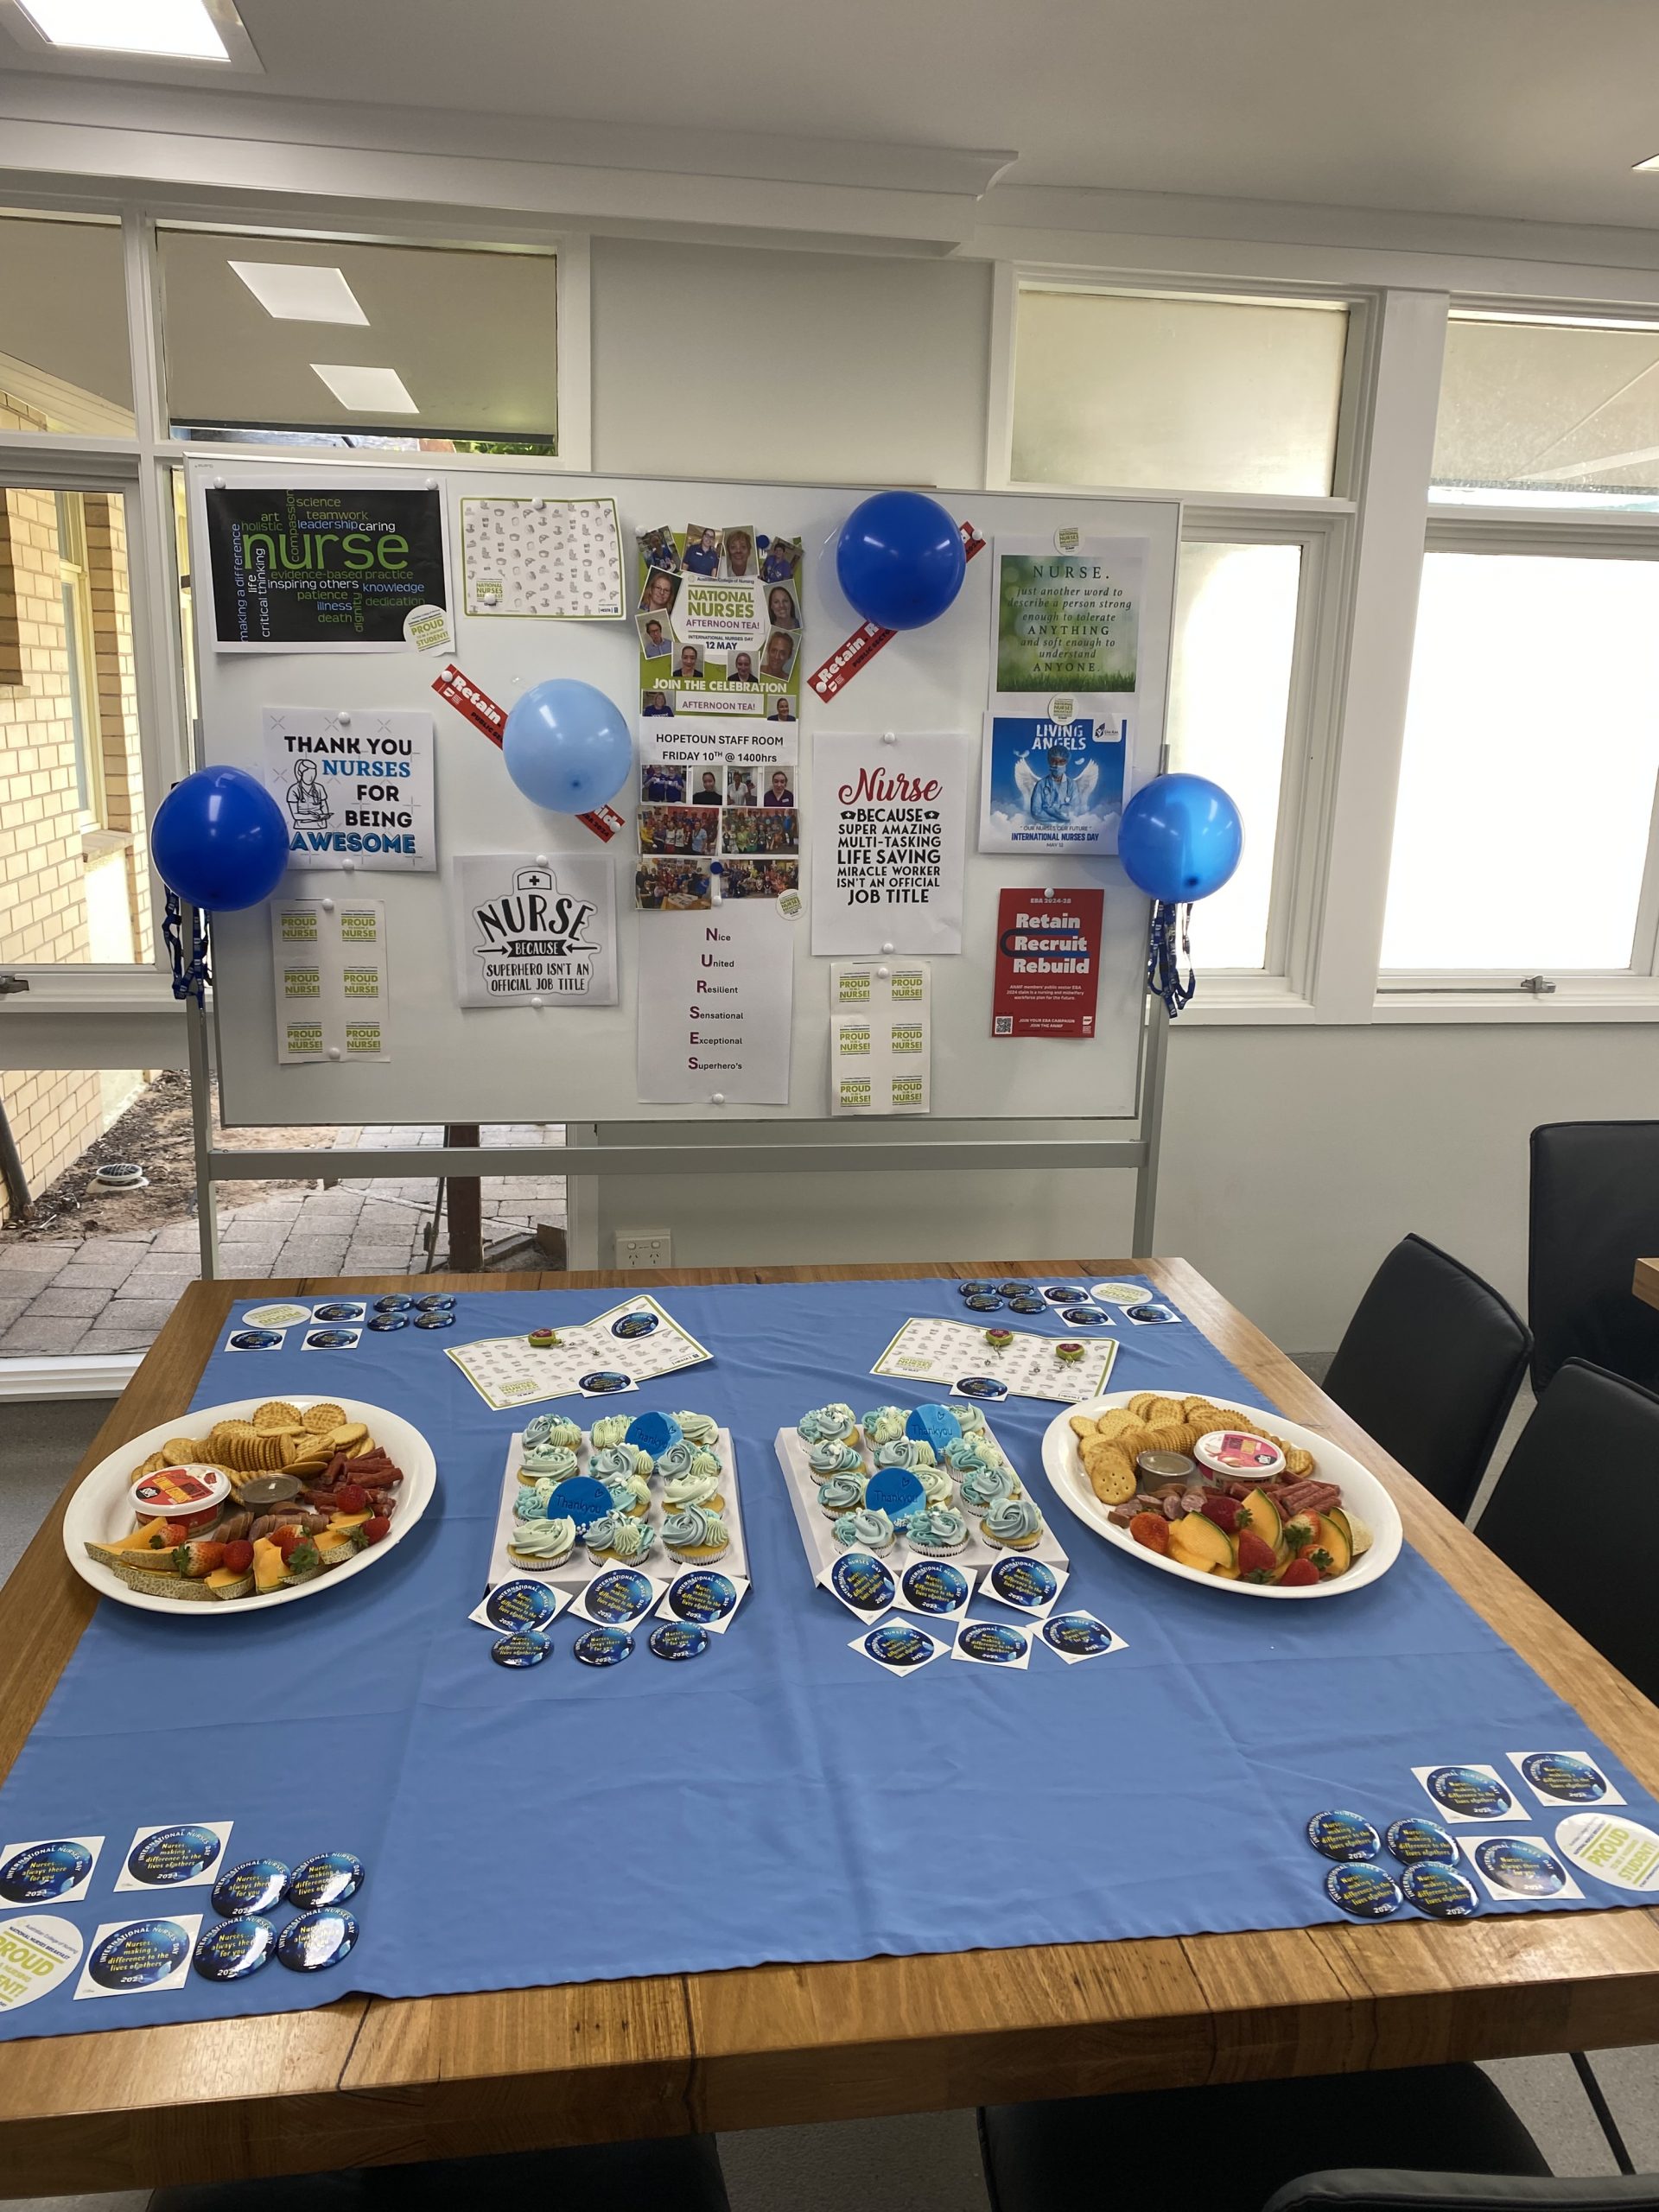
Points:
(927, 2162)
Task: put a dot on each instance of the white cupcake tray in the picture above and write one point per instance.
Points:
(818, 1530)
(578, 1570)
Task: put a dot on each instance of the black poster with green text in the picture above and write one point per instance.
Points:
(324, 566)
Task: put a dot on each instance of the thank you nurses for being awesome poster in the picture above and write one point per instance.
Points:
(323, 567)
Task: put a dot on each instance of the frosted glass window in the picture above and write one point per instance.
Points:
(1548, 414)
(463, 343)
(64, 363)
(1230, 696)
(1176, 394)
(1526, 788)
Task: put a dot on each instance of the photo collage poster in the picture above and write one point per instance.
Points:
(718, 613)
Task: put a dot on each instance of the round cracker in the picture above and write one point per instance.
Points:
(1111, 1473)
(323, 1417)
(179, 1451)
(276, 1412)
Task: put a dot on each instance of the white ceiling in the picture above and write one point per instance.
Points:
(1530, 108)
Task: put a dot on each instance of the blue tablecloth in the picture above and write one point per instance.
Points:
(780, 1798)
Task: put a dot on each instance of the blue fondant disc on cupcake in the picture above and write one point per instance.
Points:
(934, 1425)
(1344, 1835)
(894, 1491)
(860, 1580)
(1413, 1841)
(234, 1948)
(653, 1433)
(603, 1647)
(1443, 1893)
(1365, 1891)
(674, 1640)
(580, 1498)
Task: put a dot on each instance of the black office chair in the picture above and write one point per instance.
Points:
(1589, 1426)
(1594, 1213)
(681, 2172)
(1430, 1366)
(1229, 2147)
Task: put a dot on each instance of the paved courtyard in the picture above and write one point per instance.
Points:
(111, 1293)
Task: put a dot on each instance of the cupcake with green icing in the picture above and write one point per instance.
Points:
(552, 1428)
(1012, 1525)
(826, 1423)
(983, 1487)
(629, 1494)
(936, 1531)
(555, 1461)
(866, 1530)
(694, 1487)
(937, 1487)
(882, 1424)
(531, 1501)
(618, 1459)
(620, 1537)
(904, 1451)
(543, 1544)
(696, 1534)
(608, 1429)
(698, 1428)
(840, 1494)
(833, 1457)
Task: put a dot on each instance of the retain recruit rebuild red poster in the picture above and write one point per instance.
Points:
(1047, 978)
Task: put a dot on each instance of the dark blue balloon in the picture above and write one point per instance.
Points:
(567, 746)
(899, 559)
(218, 840)
(1180, 838)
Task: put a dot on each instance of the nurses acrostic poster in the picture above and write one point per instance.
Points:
(353, 784)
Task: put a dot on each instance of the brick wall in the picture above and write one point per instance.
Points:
(118, 702)
(54, 1113)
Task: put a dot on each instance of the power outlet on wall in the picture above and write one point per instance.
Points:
(644, 1248)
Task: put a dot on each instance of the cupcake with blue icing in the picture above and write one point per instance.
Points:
(629, 1494)
(685, 1459)
(546, 1461)
(695, 1486)
(906, 1451)
(551, 1428)
(619, 1459)
(865, 1530)
(608, 1429)
(883, 1423)
(621, 1538)
(833, 1457)
(938, 1486)
(968, 1451)
(985, 1486)
(936, 1531)
(826, 1424)
(840, 1494)
(699, 1428)
(1012, 1525)
(531, 1503)
(543, 1544)
(696, 1534)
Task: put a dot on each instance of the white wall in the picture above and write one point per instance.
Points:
(1293, 1158)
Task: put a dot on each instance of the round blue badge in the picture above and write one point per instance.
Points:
(436, 1301)
(634, 1324)
(317, 1940)
(427, 1321)
(619, 1595)
(984, 1301)
(43, 1871)
(859, 1579)
(1085, 1317)
(1443, 1893)
(254, 1886)
(329, 1877)
(138, 1954)
(603, 1647)
(895, 1643)
(330, 1340)
(233, 1949)
(340, 1310)
(1344, 1835)
(255, 1341)
(673, 1640)
(894, 1491)
(168, 1855)
(525, 1647)
(1017, 1289)
(1066, 1293)
(1467, 1790)
(981, 1386)
(933, 1586)
(1149, 1313)
(1027, 1582)
(977, 1289)
(385, 1321)
(990, 1641)
(581, 1498)
(520, 1605)
(603, 1382)
(1516, 1864)
(1413, 1840)
(702, 1596)
(1076, 1635)
(393, 1302)
(1027, 1305)
(1565, 1776)
(1365, 1891)
(653, 1433)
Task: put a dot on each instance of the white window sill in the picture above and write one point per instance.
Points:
(1585, 1002)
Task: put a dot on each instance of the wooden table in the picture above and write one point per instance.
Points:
(365, 2081)
(1646, 1285)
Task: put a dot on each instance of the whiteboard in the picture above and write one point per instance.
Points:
(449, 1064)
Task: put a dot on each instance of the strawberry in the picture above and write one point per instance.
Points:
(303, 1559)
(1255, 1558)
(1148, 1528)
(238, 1556)
(375, 1530)
(1297, 1574)
(197, 1557)
(287, 1538)
(1303, 1529)
(352, 1498)
(1321, 1562)
(1221, 1509)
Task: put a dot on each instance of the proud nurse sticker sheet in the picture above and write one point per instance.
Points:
(958, 1358)
(629, 1344)
(354, 785)
(332, 992)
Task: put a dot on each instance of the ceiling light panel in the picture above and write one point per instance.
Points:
(367, 391)
(301, 292)
(181, 29)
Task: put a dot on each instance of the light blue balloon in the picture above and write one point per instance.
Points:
(1180, 838)
(567, 746)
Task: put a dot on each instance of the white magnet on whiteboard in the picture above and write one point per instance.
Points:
(889, 737)
(886, 948)
(431, 483)
(538, 505)
(348, 867)
(219, 483)
(327, 906)
(541, 861)
(536, 1004)
(344, 718)
(718, 1099)
(333, 1051)
(883, 973)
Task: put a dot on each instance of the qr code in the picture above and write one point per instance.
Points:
(1002, 1025)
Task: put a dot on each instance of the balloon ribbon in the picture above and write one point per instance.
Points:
(1164, 957)
(189, 974)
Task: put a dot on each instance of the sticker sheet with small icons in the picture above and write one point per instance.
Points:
(557, 558)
